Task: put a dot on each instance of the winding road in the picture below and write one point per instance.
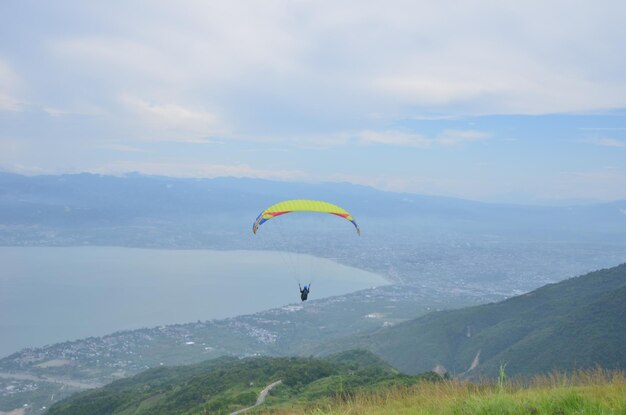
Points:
(260, 399)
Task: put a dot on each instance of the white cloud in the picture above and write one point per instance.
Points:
(8, 86)
(420, 90)
(504, 84)
(600, 184)
(173, 122)
(469, 58)
(84, 110)
(122, 148)
(410, 183)
(125, 56)
(482, 57)
(10, 150)
(204, 170)
(13, 153)
(447, 138)
(605, 141)
(603, 129)
(188, 43)
(9, 103)
(398, 138)
(290, 73)
(458, 137)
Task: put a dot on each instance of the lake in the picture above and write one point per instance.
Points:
(50, 294)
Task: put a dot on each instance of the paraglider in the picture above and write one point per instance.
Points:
(304, 292)
(302, 205)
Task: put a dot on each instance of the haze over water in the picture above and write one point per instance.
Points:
(50, 295)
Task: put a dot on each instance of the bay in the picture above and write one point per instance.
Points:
(54, 294)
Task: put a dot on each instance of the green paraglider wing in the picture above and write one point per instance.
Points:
(300, 205)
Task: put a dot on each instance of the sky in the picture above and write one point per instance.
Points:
(493, 101)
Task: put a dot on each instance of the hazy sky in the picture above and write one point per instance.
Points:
(503, 101)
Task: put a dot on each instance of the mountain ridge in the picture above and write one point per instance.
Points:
(530, 332)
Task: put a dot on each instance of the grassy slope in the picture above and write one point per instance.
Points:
(351, 382)
(593, 393)
(226, 384)
(573, 324)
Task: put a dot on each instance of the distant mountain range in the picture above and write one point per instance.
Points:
(577, 323)
(439, 242)
(108, 209)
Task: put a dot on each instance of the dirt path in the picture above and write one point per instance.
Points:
(260, 399)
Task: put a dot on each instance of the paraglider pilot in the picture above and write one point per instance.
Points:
(304, 292)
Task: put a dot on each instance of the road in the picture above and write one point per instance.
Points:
(260, 399)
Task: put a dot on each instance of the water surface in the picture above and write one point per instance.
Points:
(50, 294)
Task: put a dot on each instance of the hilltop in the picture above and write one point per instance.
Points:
(227, 384)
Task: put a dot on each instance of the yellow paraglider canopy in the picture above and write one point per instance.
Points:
(302, 205)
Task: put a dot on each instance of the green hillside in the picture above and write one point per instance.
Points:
(227, 384)
(577, 323)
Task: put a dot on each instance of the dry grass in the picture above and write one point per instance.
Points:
(583, 392)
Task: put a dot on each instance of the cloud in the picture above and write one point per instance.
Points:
(8, 86)
(482, 58)
(84, 110)
(128, 57)
(412, 183)
(601, 184)
(204, 170)
(10, 151)
(603, 128)
(447, 138)
(199, 42)
(458, 137)
(9, 103)
(173, 122)
(300, 75)
(122, 148)
(421, 90)
(474, 88)
(397, 138)
(455, 59)
(596, 184)
(604, 142)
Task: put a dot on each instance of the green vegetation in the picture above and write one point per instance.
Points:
(574, 324)
(226, 384)
(593, 392)
(352, 382)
